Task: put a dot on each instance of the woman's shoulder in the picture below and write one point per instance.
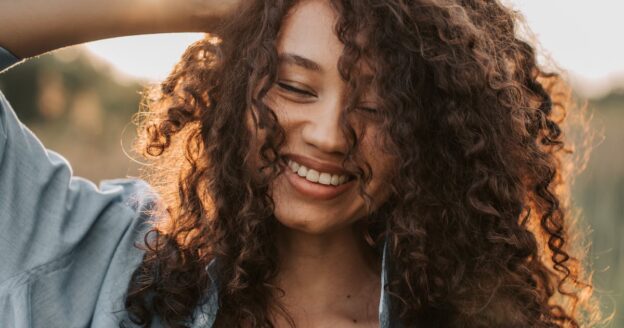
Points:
(69, 246)
(134, 192)
(81, 261)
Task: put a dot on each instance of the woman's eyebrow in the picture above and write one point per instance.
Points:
(293, 59)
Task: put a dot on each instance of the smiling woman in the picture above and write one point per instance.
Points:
(445, 135)
(323, 164)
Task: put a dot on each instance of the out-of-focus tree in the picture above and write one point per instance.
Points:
(79, 107)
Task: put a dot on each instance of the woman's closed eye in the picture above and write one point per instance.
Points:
(368, 109)
(295, 90)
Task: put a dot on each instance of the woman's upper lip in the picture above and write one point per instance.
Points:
(317, 165)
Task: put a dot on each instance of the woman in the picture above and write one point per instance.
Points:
(316, 164)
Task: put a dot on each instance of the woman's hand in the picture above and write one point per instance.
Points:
(32, 27)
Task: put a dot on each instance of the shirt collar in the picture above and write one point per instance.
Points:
(384, 301)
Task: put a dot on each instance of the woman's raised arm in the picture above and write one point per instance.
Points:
(32, 27)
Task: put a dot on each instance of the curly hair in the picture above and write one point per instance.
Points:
(478, 226)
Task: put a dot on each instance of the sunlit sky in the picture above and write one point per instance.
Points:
(584, 38)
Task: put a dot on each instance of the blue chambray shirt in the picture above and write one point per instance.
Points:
(67, 246)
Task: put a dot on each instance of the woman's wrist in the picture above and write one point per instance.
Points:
(190, 15)
(156, 16)
(161, 16)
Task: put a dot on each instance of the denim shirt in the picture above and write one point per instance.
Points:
(67, 246)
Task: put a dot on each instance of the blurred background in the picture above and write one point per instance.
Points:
(79, 101)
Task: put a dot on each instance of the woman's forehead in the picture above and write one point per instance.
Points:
(308, 38)
(308, 32)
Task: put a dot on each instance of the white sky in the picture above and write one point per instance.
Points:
(583, 37)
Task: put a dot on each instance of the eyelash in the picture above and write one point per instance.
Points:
(290, 88)
(369, 110)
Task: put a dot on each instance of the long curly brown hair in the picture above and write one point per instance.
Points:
(478, 226)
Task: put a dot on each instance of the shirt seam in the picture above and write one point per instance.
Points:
(28, 275)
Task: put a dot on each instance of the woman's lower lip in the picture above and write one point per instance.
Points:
(315, 190)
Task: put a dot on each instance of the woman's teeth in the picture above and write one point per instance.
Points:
(316, 176)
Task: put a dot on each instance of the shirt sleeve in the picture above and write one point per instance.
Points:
(7, 59)
(67, 246)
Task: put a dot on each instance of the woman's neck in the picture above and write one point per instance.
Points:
(334, 276)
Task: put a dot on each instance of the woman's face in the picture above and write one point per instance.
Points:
(308, 99)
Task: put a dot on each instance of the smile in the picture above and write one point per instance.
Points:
(303, 182)
(316, 176)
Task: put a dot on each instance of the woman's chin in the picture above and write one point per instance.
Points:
(306, 214)
(299, 224)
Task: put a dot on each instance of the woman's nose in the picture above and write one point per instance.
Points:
(324, 132)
